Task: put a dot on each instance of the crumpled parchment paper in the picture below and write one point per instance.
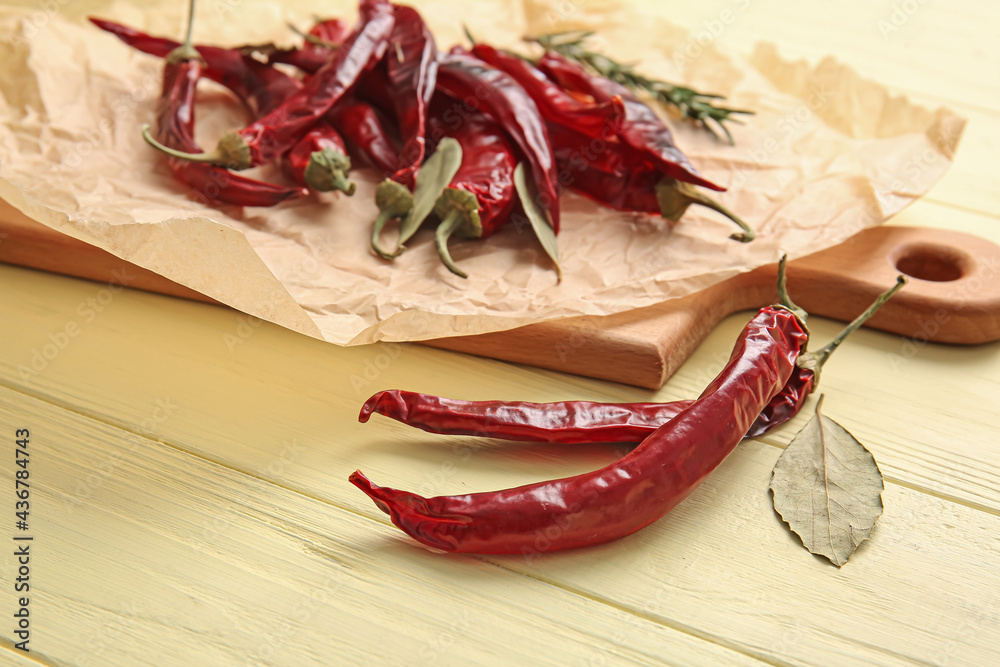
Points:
(827, 154)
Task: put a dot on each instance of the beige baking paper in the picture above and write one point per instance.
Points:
(827, 154)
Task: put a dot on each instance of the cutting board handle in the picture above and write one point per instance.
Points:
(953, 296)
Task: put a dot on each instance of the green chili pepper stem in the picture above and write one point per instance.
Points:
(454, 220)
(675, 197)
(815, 360)
(232, 152)
(186, 50)
(312, 39)
(393, 201)
(784, 299)
(327, 170)
(384, 217)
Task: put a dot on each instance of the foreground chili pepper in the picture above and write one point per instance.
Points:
(412, 71)
(481, 194)
(573, 422)
(276, 132)
(476, 85)
(632, 492)
(259, 86)
(320, 161)
(360, 125)
(175, 128)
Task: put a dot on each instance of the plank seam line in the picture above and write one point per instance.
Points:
(960, 207)
(673, 625)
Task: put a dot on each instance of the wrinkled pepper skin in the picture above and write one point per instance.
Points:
(175, 128)
(259, 86)
(359, 123)
(565, 422)
(411, 67)
(641, 128)
(631, 493)
(486, 89)
(488, 162)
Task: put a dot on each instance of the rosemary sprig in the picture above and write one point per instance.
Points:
(699, 107)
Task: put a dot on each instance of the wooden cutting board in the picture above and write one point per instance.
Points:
(954, 297)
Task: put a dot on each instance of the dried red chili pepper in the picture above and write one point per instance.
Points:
(175, 128)
(653, 152)
(572, 422)
(479, 86)
(359, 123)
(632, 492)
(641, 128)
(312, 55)
(481, 195)
(276, 132)
(411, 67)
(595, 120)
(639, 488)
(259, 86)
(320, 161)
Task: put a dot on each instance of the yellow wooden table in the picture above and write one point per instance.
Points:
(189, 464)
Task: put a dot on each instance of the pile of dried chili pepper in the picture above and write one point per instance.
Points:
(764, 383)
(359, 96)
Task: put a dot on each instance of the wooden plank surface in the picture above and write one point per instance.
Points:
(191, 502)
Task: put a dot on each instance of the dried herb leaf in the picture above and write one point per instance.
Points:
(539, 218)
(828, 489)
(433, 177)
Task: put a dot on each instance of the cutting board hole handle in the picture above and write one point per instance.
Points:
(932, 261)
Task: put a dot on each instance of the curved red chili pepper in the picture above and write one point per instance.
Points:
(259, 86)
(481, 195)
(642, 128)
(175, 128)
(595, 120)
(278, 131)
(627, 495)
(361, 126)
(482, 87)
(411, 67)
(320, 161)
(566, 422)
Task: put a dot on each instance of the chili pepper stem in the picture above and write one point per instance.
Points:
(232, 152)
(783, 297)
(394, 201)
(186, 50)
(312, 39)
(327, 170)
(674, 198)
(454, 220)
(814, 360)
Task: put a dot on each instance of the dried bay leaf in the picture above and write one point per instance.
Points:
(828, 488)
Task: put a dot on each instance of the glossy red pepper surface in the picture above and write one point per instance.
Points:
(488, 161)
(411, 67)
(627, 495)
(359, 123)
(595, 120)
(175, 129)
(641, 128)
(568, 422)
(276, 132)
(478, 86)
(259, 86)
